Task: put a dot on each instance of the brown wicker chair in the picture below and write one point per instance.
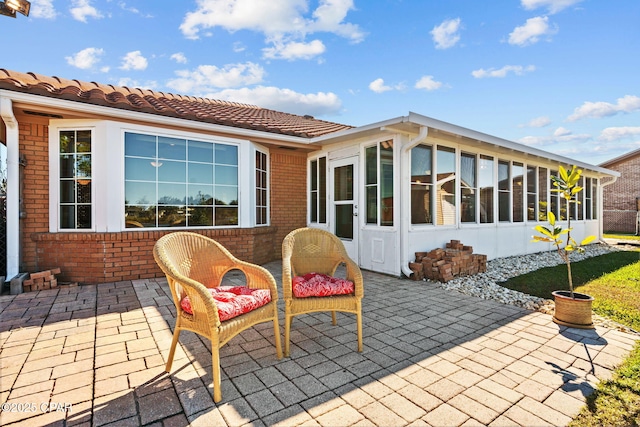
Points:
(193, 263)
(308, 250)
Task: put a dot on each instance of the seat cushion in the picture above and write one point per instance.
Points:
(320, 285)
(233, 301)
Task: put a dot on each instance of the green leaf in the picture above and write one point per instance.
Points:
(544, 230)
(563, 173)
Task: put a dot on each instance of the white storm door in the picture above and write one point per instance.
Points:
(344, 203)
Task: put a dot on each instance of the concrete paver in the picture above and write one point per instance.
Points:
(95, 355)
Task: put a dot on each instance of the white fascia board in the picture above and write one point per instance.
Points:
(116, 113)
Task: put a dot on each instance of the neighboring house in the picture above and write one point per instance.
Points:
(621, 205)
(97, 173)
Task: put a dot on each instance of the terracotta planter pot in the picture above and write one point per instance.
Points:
(573, 312)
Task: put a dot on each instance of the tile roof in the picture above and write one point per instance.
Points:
(166, 104)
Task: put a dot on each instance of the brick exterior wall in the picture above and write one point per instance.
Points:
(89, 257)
(619, 199)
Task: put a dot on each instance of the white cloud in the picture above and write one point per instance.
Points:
(539, 122)
(518, 70)
(315, 104)
(131, 83)
(597, 110)
(531, 31)
(208, 78)
(446, 34)
(82, 9)
(86, 58)
(561, 132)
(618, 133)
(428, 83)
(281, 21)
(179, 58)
(134, 61)
(43, 9)
(553, 6)
(378, 86)
(294, 50)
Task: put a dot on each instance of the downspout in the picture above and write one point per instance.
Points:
(405, 211)
(13, 187)
(601, 205)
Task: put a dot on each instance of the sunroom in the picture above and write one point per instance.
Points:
(413, 183)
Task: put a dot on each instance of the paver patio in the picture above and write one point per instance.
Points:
(94, 356)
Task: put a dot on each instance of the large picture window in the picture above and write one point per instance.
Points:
(174, 182)
(75, 179)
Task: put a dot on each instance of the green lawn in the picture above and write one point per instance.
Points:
(614, 280)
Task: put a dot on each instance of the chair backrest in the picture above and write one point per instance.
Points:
(313, 250)
(192, 255)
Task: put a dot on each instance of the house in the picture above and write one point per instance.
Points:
(621, 201)
(97, 173)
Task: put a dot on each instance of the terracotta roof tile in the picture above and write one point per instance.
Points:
(166, 104)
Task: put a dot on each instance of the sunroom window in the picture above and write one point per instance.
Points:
(421, 184)
(75, 179)
(318, 190)
(175, 182)
(379, 183)
(262, 210)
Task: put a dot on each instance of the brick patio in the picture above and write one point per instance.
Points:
(94, 356)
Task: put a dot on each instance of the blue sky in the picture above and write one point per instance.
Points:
(560, 75)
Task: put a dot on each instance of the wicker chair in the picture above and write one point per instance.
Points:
(193, 263)
(308, 250)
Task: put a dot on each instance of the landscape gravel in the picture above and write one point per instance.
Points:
(487, 285)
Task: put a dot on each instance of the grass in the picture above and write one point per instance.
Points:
(621, 236)
(614, 281)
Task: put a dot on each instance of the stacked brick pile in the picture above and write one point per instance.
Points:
(41, 280)
(445, 264)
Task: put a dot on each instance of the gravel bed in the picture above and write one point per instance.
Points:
(486, 285)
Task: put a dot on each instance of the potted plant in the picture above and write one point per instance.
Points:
(572, 309)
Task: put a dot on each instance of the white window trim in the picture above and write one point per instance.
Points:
(108, 173)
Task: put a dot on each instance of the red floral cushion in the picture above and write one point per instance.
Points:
(320, 285)
(233, 301)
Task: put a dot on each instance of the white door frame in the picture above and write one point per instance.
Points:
(348, 205)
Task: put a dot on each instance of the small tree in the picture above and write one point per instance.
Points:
(567, 185)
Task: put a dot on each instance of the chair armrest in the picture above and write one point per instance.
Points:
(354, 274)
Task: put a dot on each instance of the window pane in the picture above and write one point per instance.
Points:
(172, 216)
(67, 141)
(227, 175)
(172, 171)
(468, 187)
(84, 217)
(372, 205)
(226, 154)
(140, 193)
(314, 174)
(67, 216)
(67, 166)
(200, 217)
(446, 187)
(172, 194)
(343, 185)
(83, 141)
(139, 145)
(386, 182)
(542, 194)
(140, 216)
(200, 151)
(226, 216)
(503, 206)
(172, 148)
(518, 192)
(225, 195)
(322, 190)
(84, 191)
(371, 154)
(485, 181)
(201, 173)
(504, 196)
(503, 175)
(344, 221)
(67, 191)
(421, 179)
(201, 194)
(139, 169)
